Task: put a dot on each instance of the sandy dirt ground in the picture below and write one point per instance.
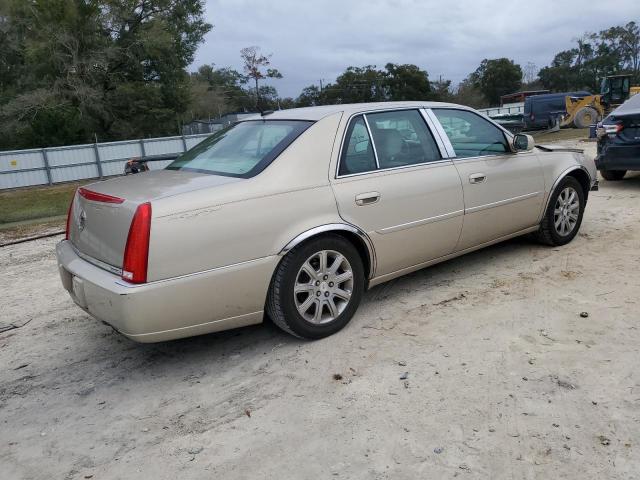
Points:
(504, 378)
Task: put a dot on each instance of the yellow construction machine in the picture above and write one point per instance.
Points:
(585, 111)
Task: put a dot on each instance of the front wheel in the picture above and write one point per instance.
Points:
(563, 217)
(317, 287)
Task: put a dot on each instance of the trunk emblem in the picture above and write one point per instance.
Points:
(82, 220)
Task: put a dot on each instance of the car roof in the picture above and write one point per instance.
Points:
(317, 113)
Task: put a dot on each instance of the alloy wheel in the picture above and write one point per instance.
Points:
(566, 212)
(323, 286)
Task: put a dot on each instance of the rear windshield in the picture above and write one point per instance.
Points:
(241, 150)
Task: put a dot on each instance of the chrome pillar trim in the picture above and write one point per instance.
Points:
(433, 127)
(451, 153)
(373, 144)
(332, 227)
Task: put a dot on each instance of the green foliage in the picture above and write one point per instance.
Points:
(369, 84)
(612, 51)
(114, 68)
(497, 77)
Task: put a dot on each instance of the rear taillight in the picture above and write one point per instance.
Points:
(613, 128)
(136, 252)
(69, 213)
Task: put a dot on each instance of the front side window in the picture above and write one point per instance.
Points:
(470, 134)
(241, 150)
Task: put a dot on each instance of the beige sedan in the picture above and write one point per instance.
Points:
(295, 213)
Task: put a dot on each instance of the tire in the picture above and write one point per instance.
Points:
(297, 313)
(613, 175)
(553, 230)
(585, 116)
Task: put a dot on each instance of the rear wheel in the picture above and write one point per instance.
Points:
(585, 116)
(317, 287)
(613, 175)
(563, 217)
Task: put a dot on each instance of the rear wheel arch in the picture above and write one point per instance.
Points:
(357, 237)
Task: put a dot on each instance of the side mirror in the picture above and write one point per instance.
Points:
(523, 143)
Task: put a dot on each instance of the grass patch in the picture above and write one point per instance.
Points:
(36, 202)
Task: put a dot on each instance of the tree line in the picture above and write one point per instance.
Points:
(76, 71)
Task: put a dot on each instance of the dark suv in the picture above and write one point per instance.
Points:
(543, 111)
(619, 141)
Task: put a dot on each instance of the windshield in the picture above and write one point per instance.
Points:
(241, 150)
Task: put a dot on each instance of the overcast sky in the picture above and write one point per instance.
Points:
(313, 40)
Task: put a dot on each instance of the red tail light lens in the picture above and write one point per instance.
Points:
(69, 213)
(614, 128)
(136, 252)
(99, 197)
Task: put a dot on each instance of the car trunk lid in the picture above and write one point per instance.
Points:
(102, 212)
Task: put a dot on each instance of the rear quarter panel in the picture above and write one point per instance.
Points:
(250, 219)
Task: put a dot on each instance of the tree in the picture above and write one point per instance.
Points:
(310, 96)
(469, 94)
(357, 85)
(407, 82)
(75, 68)
(497, 77)
(595, 55)
(254, 67)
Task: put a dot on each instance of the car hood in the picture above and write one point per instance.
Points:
(558, 148)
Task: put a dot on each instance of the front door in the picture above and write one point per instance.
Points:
(394, 184)
(503, 190)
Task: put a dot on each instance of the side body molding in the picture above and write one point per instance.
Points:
(332, 227)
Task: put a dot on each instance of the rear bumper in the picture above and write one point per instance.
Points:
(195, 304)
(619, 157)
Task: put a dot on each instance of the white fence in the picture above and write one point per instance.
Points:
(42, 166)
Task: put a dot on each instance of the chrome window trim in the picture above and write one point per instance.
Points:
(417, 223)
(500, 203)
(364, 113)
(444, 161)
(373, 144)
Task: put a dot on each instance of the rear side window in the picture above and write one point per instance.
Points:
(470, 134)
(400, 138)
(241, 150)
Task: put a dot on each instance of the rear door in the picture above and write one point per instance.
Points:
(394, 183)
(503, 191)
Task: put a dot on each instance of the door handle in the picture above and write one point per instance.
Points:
(477, 178)
(367, 198)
